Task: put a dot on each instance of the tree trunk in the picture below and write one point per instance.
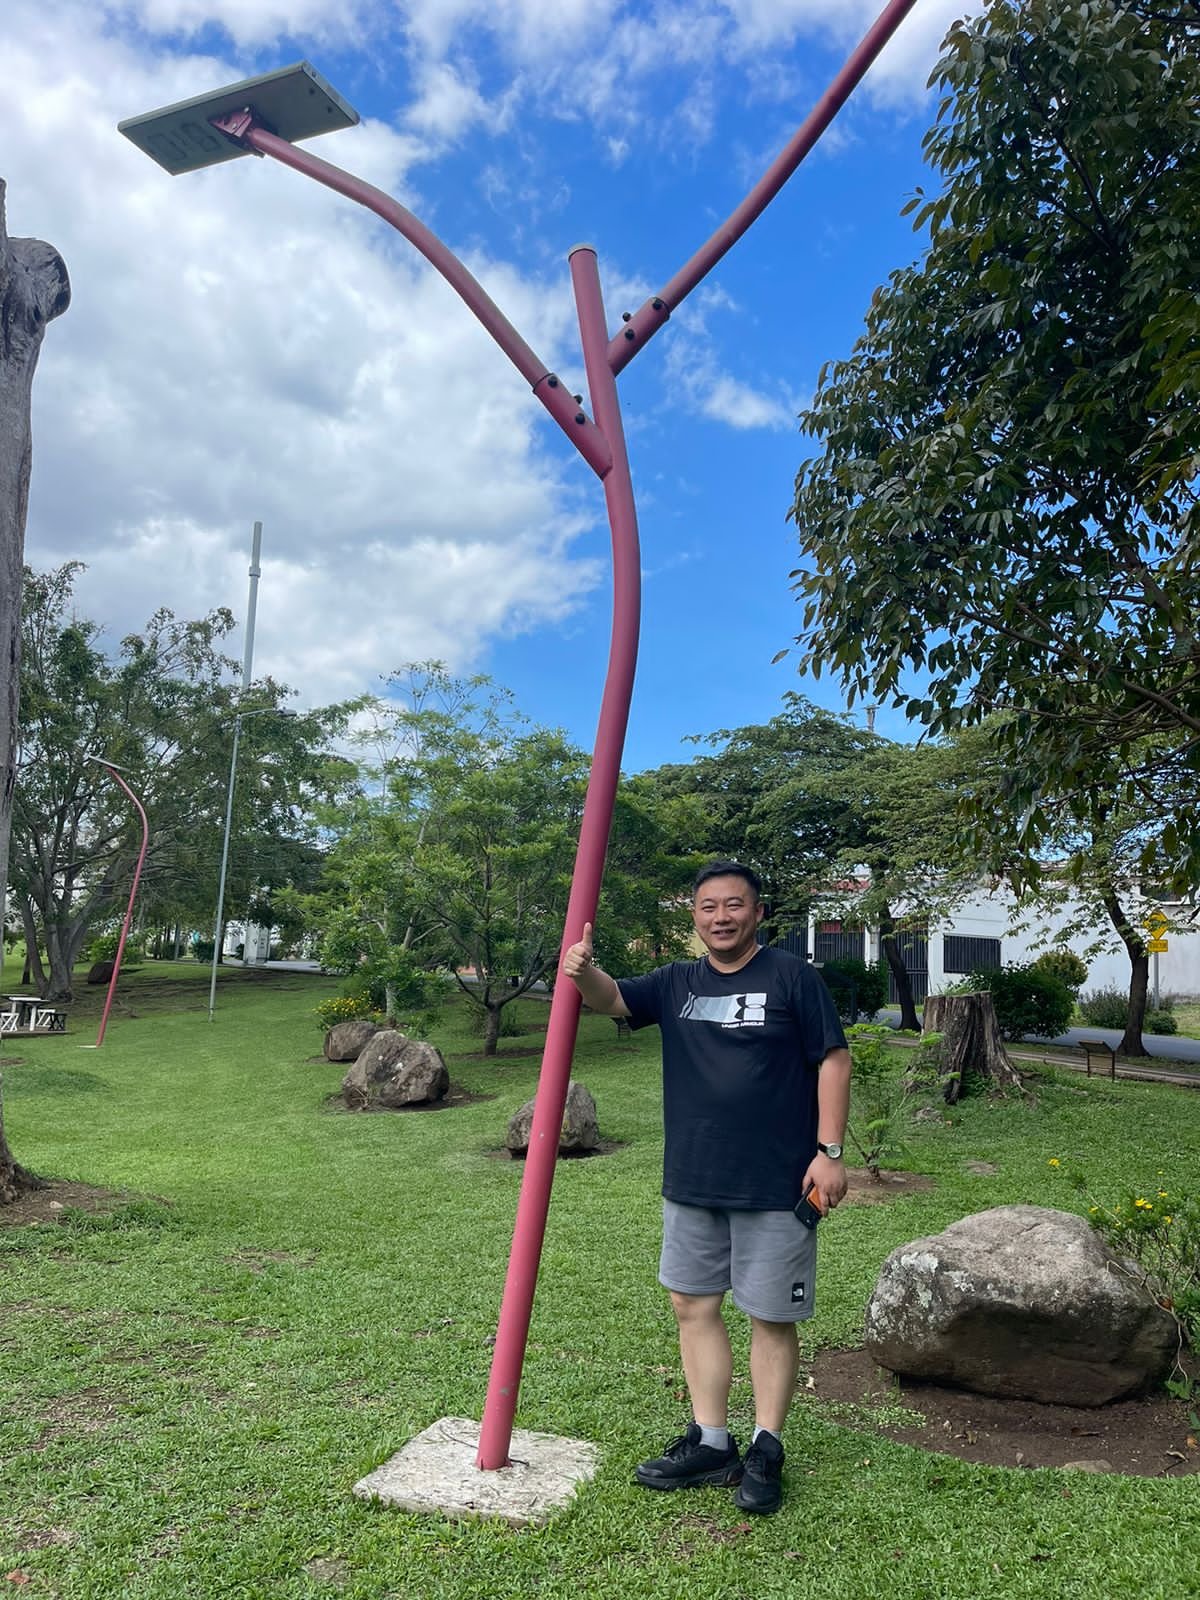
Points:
(900, 974)
(15, 1180)
(34, 972)
(34, 289)
(491, 1029)
(971, 1042)
(1139, 976)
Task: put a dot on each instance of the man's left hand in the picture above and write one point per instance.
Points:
(830, 1179)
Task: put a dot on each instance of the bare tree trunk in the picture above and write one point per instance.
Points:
(15, 1180)
(1139, 976)
(491, 1029)
(34, 289)
(889, 944)
(34, 972)
(972, 1045)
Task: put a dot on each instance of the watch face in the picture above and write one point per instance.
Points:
(833, 1151)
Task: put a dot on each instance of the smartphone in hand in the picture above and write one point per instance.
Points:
(810, 1208)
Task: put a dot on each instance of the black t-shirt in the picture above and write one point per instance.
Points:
(740, 1057)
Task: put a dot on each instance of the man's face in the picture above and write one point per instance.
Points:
(726, 913)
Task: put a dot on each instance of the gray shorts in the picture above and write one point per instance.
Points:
(767, 1258)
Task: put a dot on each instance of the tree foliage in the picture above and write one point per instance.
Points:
(1003, 513)
(161, 708)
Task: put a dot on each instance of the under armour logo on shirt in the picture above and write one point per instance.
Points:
(730, 1010)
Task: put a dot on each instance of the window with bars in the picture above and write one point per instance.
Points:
(963, 954)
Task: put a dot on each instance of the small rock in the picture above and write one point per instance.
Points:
(580, 1130)
(1087, 1466)
(980, 1169)
(345, 1041)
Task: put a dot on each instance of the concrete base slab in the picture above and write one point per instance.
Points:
(436, 1471)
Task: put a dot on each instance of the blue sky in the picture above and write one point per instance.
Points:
(244, 345)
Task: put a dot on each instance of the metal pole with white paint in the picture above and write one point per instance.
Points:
(247, 663)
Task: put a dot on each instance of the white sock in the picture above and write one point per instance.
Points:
(778, 1438)
(717, 1438)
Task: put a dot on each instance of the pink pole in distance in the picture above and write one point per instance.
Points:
(137, 873)
(529, 1230)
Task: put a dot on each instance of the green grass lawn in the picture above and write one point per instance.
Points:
(190, 1386)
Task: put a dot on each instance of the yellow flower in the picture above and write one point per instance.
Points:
(1166, 1219)
(1053, 1162)
(1145, 1205)
(1162, 1194)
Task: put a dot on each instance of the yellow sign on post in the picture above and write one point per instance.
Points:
(1155, 924)
(1156, 947)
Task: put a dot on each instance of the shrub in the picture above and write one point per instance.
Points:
(1154, 1231)
(1105, 1008)
(345, 1008)
(1027, 1001)
(858, 990)
(1070, 969)
(104, 948)
(1162, 1021)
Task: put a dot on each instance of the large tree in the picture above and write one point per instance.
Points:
(741, 780)
(1003, 513)
(34, 289)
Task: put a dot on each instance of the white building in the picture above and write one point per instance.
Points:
(987, 931)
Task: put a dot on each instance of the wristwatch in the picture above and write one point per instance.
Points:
(833, 1151)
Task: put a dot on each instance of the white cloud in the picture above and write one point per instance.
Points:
(243, 344)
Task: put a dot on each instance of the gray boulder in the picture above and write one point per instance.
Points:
(395, 1071)
(1021, 1302)
(580, 1130)
(345, 1040)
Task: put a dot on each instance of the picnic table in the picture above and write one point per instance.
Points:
(30, 1014)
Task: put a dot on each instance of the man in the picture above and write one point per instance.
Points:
(756, 1088)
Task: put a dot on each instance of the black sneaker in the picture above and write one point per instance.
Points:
(686, 1462)
(761, 1488)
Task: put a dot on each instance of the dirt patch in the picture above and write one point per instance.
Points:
(453, 1098)
(864, 1190)
(606, 1147)
(48, 1204)
(500, 1056)
(1150, 1437)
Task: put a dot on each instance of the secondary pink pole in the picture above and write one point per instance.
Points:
(533, 1207)
(137, 873)
(646, 322)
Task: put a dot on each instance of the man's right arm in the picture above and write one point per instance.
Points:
(599, 991)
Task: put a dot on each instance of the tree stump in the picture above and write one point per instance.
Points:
(971, 1042)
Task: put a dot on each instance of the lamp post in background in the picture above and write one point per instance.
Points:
(137, 873)
(265, 116)
(219, 924)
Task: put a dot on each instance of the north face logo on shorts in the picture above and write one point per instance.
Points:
(798, 1293)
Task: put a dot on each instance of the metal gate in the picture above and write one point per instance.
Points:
(914, 952)
(838, 941)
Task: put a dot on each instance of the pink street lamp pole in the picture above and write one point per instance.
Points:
(181, 138)
(137, 873)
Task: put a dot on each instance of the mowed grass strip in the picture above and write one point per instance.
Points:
(190, 1385)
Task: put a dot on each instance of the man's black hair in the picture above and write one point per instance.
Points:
(727, 869)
